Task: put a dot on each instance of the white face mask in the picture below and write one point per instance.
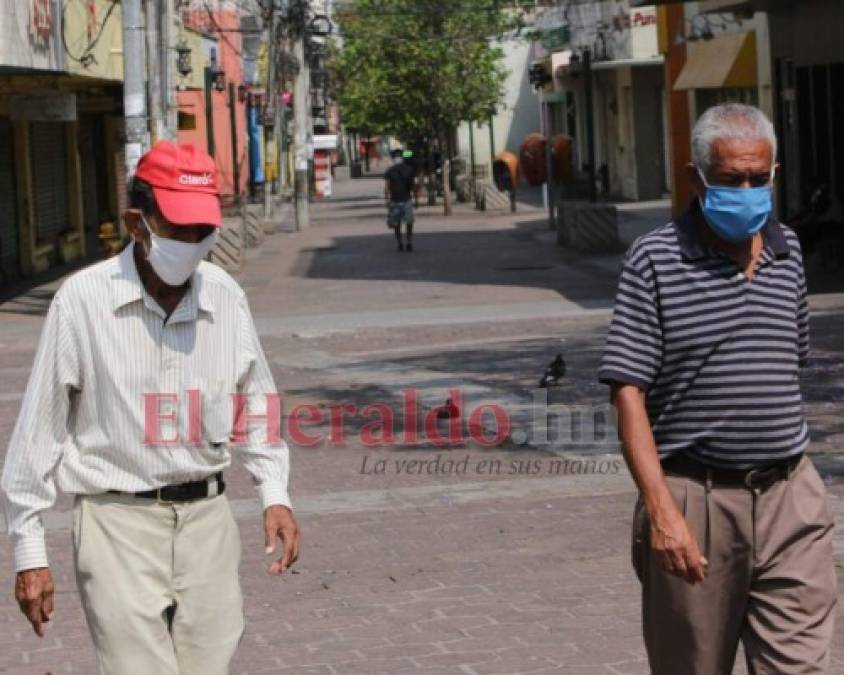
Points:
(174, 261)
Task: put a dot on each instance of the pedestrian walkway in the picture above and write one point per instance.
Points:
(518, 563)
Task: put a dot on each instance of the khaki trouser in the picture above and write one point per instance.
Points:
(159, 584)
(770, 581)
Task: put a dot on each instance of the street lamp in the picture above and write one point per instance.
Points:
(183, 62)
(218, 76)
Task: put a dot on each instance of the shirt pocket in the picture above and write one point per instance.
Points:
(217, 411)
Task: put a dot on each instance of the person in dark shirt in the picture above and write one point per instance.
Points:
(398, 191)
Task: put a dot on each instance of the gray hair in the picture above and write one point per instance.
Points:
(729, 121)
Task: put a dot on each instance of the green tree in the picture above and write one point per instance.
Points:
(418, 68)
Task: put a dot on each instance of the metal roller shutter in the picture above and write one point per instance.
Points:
(8, 204)
(48, 157)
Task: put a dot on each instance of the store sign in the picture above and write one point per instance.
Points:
(556, 38)
(325, 141)
(41, 21)
(40, 107)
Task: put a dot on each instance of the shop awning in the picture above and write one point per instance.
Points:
(628, 63)
(704, 6)
(724, 62)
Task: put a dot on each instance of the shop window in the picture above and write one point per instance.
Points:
(187, 121)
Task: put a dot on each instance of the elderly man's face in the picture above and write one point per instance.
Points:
(736, 164)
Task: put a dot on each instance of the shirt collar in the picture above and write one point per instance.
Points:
(127, 286)
(693, 247)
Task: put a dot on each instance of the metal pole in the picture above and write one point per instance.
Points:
(472, 149)
(209, 113)
(544, 133)
(154, 71)
(169, 102)
(491, 144)
(233, 127)
(284, 178)
(134, 96)
(300, 121)
(549, 167)
(590, 123)
(269, 115)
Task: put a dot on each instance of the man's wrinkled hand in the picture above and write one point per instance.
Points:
(34, 593)
(675, 546)
(279, 523)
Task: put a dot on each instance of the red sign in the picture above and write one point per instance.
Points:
(41, 23)
(92, 18)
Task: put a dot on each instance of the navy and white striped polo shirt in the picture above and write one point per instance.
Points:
(718, 355)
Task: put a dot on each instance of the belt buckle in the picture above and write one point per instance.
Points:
(763, 474)
(748, 479)
(163, 502)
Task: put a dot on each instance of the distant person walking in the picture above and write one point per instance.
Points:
(399, 181)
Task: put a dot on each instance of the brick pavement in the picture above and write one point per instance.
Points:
(463, 574)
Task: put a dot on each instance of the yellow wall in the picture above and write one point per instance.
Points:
(108, 52)
(198, 59)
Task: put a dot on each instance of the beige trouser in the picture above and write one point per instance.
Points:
(770, 581)
(137, 561)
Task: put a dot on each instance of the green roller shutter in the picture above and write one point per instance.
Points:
(48, 159)
(9, 251)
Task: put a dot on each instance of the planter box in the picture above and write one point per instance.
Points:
(588, 227)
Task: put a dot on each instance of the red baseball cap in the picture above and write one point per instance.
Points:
(184, 182)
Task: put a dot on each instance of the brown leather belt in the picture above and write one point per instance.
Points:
(756, 478)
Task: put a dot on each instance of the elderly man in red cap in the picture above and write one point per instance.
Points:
(130, 408)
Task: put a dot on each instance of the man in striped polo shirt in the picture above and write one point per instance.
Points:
(732, 532)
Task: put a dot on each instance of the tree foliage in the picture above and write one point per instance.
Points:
(415, 68)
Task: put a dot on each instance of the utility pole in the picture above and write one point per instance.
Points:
(590, 122)
(134, 96)
(156, 107)
(270, 114)
(169, 102)
(301, 103)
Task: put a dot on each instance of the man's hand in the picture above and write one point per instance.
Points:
(675, 547)
(34, 593)
(279, 523)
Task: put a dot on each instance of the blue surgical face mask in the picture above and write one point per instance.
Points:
(736, 214)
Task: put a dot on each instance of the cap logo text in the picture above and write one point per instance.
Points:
(188, 179)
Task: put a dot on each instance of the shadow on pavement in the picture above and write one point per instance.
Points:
(525, 256)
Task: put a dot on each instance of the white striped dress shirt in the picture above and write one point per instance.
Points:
(104, 345)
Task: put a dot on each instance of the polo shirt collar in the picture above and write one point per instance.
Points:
(128, 288)
(693, 247)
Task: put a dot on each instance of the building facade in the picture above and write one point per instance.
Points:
(60, 111)
(607, 72)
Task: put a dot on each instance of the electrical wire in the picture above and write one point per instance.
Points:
(87, 57)
(220, 30)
